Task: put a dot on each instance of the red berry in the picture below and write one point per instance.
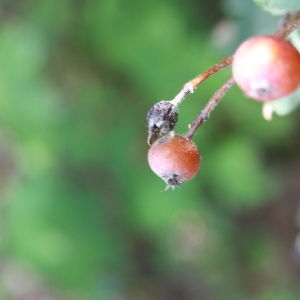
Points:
(266, 67)
(174, 159)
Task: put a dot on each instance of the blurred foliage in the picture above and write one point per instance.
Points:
(82, 216)
(279, 7)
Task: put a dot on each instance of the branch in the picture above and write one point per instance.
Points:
(288, 24)
(191, 86)
(210, 106)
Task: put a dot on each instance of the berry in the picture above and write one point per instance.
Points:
(266, 67)
(174, 159)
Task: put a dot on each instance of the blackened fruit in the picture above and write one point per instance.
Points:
(162, 118)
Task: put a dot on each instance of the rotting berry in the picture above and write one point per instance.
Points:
(162, 118)
(175, 159)
(266, 67)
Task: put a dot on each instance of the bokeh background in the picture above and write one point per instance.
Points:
(82, 215)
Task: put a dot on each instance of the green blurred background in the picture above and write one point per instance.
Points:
(82, 215)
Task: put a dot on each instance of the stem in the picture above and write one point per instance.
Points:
(210, 106)
(191, 86)
(194, 83)
(288, 24)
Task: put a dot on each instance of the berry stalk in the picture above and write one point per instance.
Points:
(210, 106)
(162, 117)
(288, 24)
(191, 86)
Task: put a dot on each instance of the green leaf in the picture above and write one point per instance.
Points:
(278, 7)
(282, 106)
(295, 39)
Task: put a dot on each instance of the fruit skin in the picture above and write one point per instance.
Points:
(266, 67)
(174, 159)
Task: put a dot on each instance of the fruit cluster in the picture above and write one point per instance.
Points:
(266, 68)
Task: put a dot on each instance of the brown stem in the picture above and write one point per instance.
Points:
(288, 24)
(214, 69)
(210, 106)
(190, 86)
